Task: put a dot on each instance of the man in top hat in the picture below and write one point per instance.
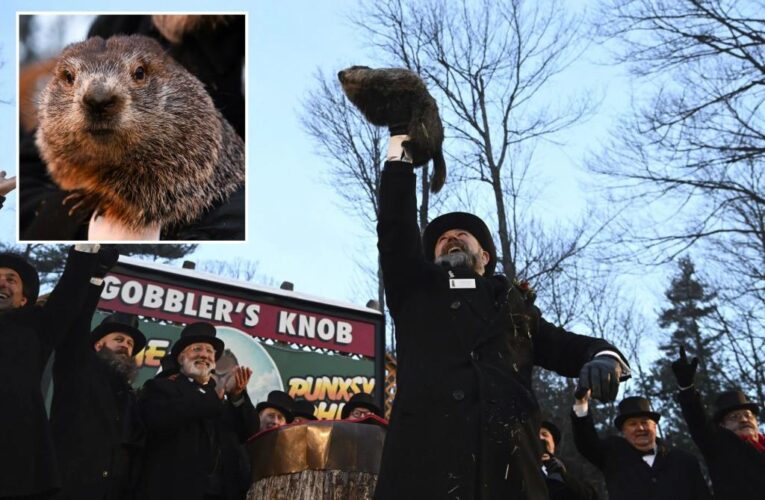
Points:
(637, 465)
(185, 418)
(560, 484)
(359, 406)
(731, 442)
(467, 341)
(28, 335)
(93, 403)
(303, 411)
(275, 411)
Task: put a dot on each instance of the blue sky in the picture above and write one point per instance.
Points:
(297, 229)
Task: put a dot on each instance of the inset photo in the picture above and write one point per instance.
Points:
(132, 127)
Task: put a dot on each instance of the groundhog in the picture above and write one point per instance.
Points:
(135, 135)
(398, 98)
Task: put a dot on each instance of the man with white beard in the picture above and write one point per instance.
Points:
(185, 418)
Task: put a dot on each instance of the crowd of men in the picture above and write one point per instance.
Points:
(180, 436)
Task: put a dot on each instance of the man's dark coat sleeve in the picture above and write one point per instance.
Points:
(587, 441)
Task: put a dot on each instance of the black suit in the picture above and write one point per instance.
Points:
(91, 416)
(186, 423)
(464, 423)
(737, 468)
(27, 338)
(675, 474)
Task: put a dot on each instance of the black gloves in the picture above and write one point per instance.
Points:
(554, 466)
(601, 375)
(684, 371)
(107, 257)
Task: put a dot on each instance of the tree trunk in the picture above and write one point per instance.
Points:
(315, 485)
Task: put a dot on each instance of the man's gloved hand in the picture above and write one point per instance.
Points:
(554, 465)
(684, 371)
(601, 374)
(107, 257)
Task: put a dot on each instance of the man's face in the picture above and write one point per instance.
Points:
(640, 432)
(270, 418)
(455, 241)
(547, 437)
(197, 360)
(742, 422)
(11, 292)
(300, 420)
(360, 412)
(117, 342)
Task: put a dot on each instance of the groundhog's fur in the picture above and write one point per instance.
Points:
(135, 134)
(398, 98)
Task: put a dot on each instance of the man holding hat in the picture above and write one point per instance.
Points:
(467, 341)
(731, 442)
(560, 484)
(185, 416)
(360, 406)
(28, 335)
(637, 465)
(275, 411)
(94, 402)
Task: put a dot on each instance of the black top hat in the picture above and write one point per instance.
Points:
(303, 408)
(279, 400)
(198, 332)
(729, 401)
(30, 281)
(360, 399)
(635, 407)
(460, 220)
(556, 435)
(123, 323)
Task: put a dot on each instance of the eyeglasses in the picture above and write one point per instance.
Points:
(360, 413)
(738, 415)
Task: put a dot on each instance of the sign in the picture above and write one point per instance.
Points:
(318, 350)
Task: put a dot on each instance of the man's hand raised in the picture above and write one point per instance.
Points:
(684, 371)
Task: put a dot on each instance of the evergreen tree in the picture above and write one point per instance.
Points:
(691, 303)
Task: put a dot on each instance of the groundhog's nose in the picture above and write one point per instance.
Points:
(101, 101)
(341, 75)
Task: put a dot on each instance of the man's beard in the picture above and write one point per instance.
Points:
(190, 369)
(120, 363)
(462, 258)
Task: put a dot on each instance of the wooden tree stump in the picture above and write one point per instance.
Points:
(315, 485)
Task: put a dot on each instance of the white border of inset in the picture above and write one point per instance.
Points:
(247, 127)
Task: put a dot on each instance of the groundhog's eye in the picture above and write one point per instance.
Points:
(69, 77)
(139, 73)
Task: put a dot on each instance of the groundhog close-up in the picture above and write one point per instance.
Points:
(398, 98)
(134, 136)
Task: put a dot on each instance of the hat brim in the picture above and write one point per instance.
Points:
(350, 406)
(720, 414)
(265, 404)
(104, 329)
(619, 421)
(460, 220)
(186, 341)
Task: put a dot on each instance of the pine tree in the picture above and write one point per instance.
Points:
(690, 305)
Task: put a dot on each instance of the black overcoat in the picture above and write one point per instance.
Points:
(185, 423)
(675, 474)
(464, 423)
(736, 467)
(27, 338)
(90, 416)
